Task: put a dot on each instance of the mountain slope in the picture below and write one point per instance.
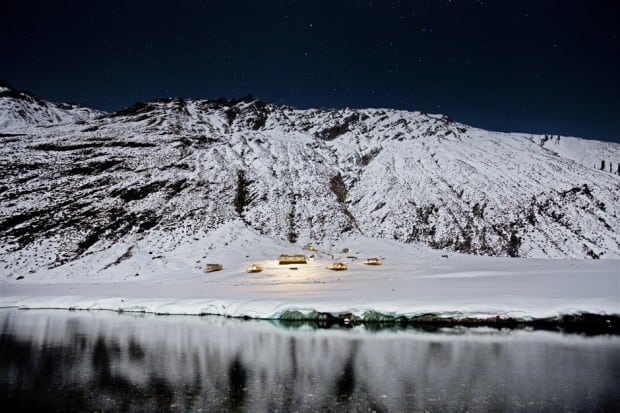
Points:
(21, 110)
(172, 171)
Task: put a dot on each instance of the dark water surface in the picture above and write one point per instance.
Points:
(103, 361)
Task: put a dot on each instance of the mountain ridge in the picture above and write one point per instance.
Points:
(171, 171)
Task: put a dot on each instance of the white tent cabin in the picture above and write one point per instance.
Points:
(310, 247)
(255, 268)
(338, 266)
(373, 261)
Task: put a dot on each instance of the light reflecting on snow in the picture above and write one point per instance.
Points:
(107, 361)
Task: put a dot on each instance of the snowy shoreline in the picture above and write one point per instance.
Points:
(415, 285)
(581, 322)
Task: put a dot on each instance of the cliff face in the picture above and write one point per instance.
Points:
(172, 171)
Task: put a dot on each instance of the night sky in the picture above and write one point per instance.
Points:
(528, 65)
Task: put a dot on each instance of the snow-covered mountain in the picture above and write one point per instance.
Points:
(20, 110)
(168, 172)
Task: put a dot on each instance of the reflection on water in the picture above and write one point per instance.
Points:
(81, 361)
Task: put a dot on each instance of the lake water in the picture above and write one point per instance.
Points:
(104, 361)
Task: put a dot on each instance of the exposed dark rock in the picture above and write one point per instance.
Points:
(137, 193)
(338, 187)
(242, 195)
(135, 109)
(333, 132)
(582, 323)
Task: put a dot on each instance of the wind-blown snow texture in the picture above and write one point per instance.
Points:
(170, 172)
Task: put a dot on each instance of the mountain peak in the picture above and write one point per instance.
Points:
(7, 90)
(20, 110)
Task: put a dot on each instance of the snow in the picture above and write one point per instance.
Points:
(411, 281)
(585, 152)
(27, 113)
(79, 233)
(407, 176)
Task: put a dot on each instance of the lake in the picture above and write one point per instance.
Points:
(55, 360)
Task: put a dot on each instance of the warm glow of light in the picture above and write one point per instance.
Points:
(338, 266)
(255, 268)
(292, 259)
(373, 261)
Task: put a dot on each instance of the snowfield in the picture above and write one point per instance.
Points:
(121, 212)
(412, 281)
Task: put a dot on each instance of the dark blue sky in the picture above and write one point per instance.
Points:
(529, 65)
